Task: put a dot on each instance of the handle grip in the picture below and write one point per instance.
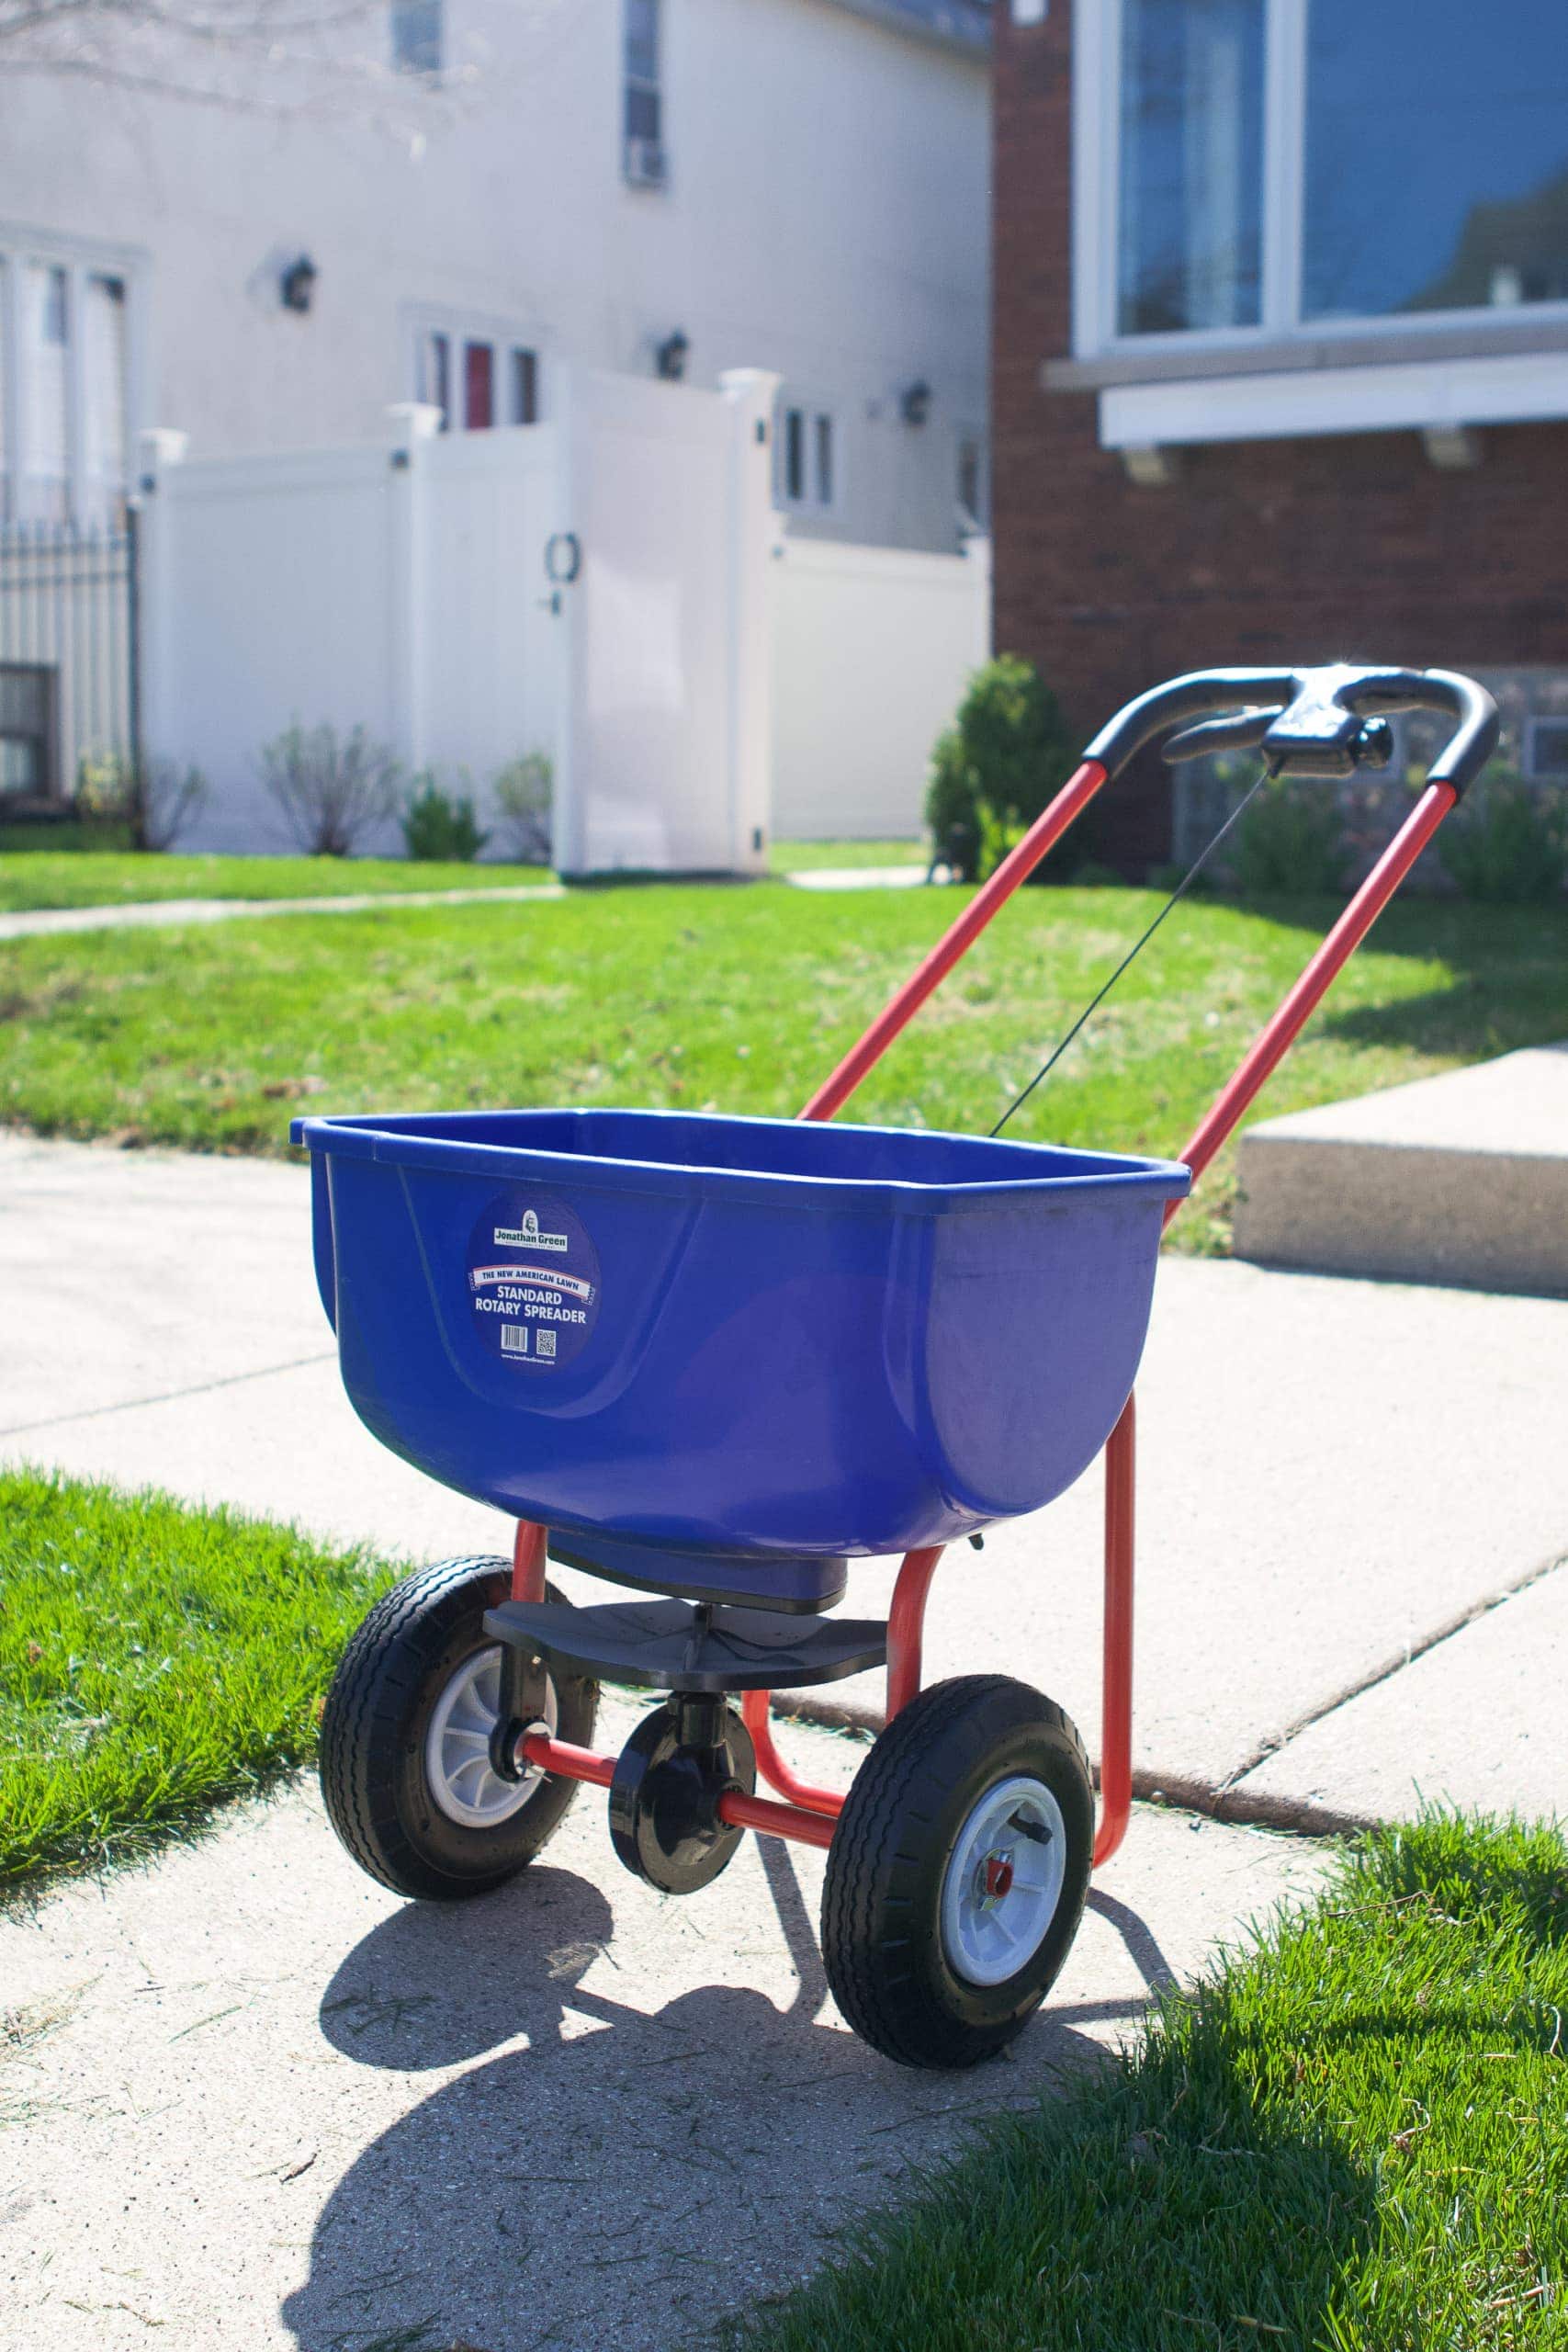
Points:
(1307, 722)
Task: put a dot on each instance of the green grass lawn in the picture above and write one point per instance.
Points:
(111, 878)
(740, 1000)
(801, 857)
(152, 1659)
(1352, 2139)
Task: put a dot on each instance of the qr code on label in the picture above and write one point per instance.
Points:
(514, 1339)
(545, 1343)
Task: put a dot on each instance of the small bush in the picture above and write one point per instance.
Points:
(1291, 842)
(139, 805)
(993, 771)
(330, 791)
(522, 795)
(1506, 845)
(438, 828)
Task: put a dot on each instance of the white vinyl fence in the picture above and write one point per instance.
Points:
(611, 589)
(872, 650)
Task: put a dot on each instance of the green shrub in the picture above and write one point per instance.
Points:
(1291, 842)
(440, 828)
(993, 771)
(1507, 843)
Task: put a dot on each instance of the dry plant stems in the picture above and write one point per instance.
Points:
(523, 793)
(148, 803)
(330, 789)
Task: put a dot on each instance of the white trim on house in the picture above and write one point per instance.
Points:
(1426, 396)
(1317, 395)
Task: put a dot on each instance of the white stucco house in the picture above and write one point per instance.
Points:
(491, 190)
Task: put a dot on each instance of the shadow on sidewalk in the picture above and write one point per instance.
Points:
(602, 2176)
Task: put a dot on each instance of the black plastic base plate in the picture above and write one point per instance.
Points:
(795, 1584)
(670, 1645)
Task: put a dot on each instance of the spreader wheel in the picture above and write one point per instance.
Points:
(957, 1872)
(407, 1773)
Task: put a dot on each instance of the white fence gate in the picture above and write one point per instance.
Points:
(611, 588)
(594, 588)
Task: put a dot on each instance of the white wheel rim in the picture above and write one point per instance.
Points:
(1004, 1881)
(463, 1783)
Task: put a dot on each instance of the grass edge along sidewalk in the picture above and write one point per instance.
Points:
(1352, 2137)
(36, 878)
(155, 1658)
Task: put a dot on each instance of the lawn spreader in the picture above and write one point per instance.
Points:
(714, 1361)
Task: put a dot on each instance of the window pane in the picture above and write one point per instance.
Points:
(525, 387)
(825, 461)
(416, 36)
(1437, 155)
(44, 319)
(103, 365)
(642, 113)
(642, 41)
(479, 386)
(794, 455)
(1189, 244)
(434, 376)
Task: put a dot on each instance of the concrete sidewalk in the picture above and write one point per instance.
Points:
(1336, 1477)
(580, 2115)
(269, 2106)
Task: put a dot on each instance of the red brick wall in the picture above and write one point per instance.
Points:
(1350, 548)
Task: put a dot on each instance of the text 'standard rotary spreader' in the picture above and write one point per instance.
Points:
(716, 1361)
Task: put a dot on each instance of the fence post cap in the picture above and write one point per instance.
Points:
(414, 420)
(161, 446)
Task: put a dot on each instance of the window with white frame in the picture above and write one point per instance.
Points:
(64, 389)
(476, 378)
(416, 29)
(972, 486)
(1546, 748)
(642, 141)
(806, 466)
(1285, 165)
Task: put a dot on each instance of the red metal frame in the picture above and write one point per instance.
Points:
(810, 1812)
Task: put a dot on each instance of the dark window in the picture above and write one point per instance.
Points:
(416, 36)
(1548, 747)
(794, 455)
(479, 386)
(824, 460)
(26, 731)
(525, 386)
(807, 457)
(435, 376)
(971, 480)
(643, 110)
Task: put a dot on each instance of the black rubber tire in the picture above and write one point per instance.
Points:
(882, 1943)
(373, 1728)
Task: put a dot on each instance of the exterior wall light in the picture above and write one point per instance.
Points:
(671, 356)
(914, 401)
(298, 284)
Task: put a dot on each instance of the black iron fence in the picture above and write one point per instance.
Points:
(68, 659)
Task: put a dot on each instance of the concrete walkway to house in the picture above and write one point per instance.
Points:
(575, 2114)
(159, 913)
(34, 923)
